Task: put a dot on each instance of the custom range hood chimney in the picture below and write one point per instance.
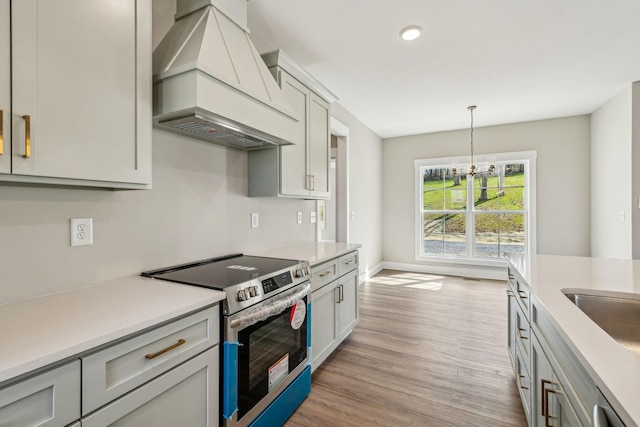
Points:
(210, 83)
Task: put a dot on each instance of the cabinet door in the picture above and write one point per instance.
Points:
(81, 73)
(5, 89)
(319, 146)
(542, 385)
(185, 396)
(324, 332)
(511, 330)
(293, 167)
(348, 304)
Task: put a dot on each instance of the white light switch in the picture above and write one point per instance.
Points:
(255, 220)
(299, 217)
(312, 217)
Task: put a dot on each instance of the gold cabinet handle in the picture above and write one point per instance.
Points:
(547, 415)
(522, 386)
(325, 273)
(171, 347)
(544, 394)
(509, 293)
(349, 262)
(1, 132)
(27, 136)
(522, 294)
(341, 293)
(522, 337)
(338, 297)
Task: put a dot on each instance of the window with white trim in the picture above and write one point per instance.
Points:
(482, 216)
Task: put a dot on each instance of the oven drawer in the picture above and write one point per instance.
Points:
(324, 273)
(347, 262)
(118, 369)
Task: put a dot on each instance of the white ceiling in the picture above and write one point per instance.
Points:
(518, 60)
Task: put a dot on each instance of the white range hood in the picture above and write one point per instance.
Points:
(210, 83)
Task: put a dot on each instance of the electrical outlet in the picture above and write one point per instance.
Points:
(81, 231)
(299, 217)
(255, 220)
(312, 217)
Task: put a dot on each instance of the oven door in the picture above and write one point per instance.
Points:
(266, 347)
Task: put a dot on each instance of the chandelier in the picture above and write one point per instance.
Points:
(473, 170)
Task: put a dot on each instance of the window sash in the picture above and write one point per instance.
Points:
(471, 212)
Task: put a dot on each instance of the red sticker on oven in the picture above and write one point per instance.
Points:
(298, 313)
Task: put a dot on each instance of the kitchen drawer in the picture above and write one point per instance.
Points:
(347, 262)
(523, 381)
(47, 400)
(324, 273)
(185, 396)
(118, 369)
(522, 294)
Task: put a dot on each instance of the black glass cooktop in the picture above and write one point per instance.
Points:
(223, 272)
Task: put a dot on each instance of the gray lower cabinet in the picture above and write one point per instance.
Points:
(334, 305)
(48, 399)
(166, 376)
(548, 395)
(180, 397)
(555, 389)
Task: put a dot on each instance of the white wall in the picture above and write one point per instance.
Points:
(635, 166)
(610, 179)
(198, 208)
(562, 146)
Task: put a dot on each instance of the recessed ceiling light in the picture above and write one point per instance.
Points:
(411, 32)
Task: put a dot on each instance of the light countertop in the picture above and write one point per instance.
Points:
(314, 252)
(45, 330)
(615, 370)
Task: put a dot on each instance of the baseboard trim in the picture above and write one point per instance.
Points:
(365, 275)
(461, 270)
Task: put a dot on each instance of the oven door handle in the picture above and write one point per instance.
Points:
(262, 312)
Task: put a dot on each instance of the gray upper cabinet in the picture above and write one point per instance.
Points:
(5, 88)
(80, 110)
(300, 170)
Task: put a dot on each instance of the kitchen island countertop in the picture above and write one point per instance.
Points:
(42, 331)
(615, 370)
(314, 252)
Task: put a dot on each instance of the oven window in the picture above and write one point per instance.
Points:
(268, 351)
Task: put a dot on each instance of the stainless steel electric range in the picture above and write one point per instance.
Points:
(266, 327)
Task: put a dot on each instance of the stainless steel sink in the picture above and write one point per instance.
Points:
(617, 313)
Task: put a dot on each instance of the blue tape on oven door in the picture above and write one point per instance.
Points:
(230, 379)
(309, 333)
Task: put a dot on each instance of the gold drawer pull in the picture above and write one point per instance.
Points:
(325, 273)
(171, 347)
(27, 136)
(522, 294)
(522, 386)
(522, 337)
(349, 262)
(1, 132)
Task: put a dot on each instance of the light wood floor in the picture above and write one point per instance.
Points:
(429, 351)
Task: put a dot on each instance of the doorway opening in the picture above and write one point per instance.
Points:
(333, 214)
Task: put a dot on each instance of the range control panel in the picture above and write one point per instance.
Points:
(275, 282)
